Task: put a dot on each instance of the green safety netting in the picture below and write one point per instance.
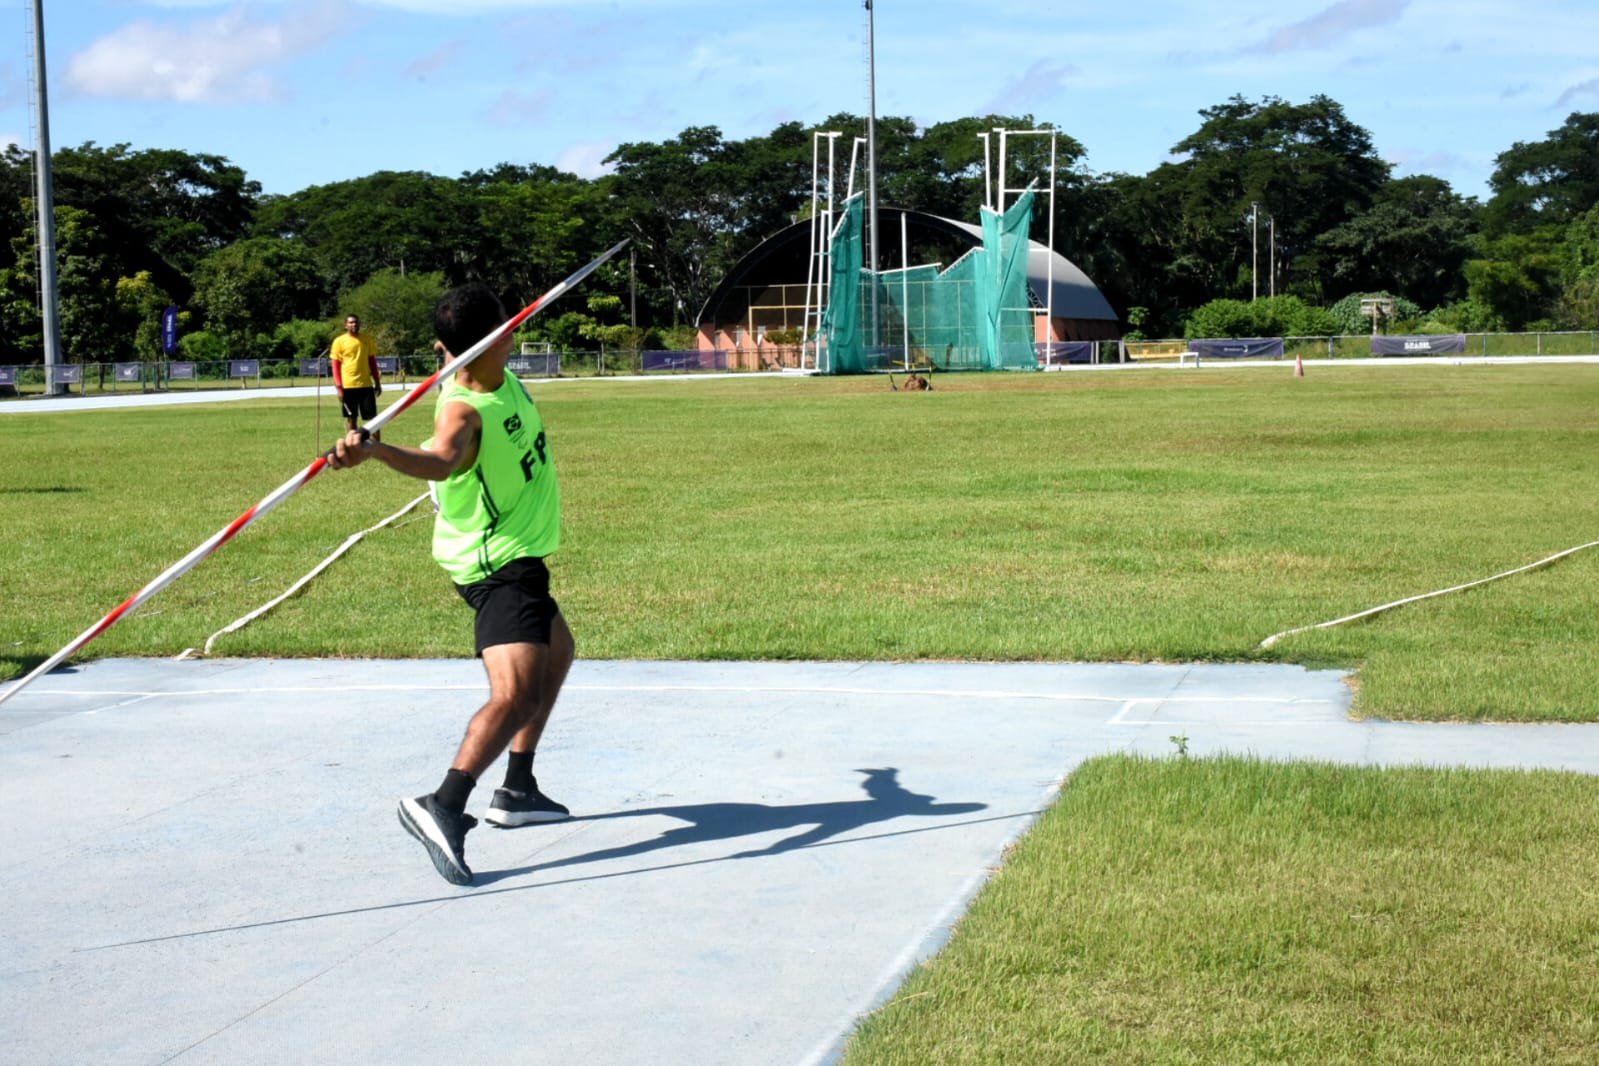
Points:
(973, 316)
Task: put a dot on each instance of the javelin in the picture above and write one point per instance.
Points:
(288, 488)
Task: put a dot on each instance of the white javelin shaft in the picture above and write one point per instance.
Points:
(288, 488)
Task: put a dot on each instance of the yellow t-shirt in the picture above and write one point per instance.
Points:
(355, 357)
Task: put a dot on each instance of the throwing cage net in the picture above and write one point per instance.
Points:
(974, 315)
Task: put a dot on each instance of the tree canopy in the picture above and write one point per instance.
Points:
(1264, 196)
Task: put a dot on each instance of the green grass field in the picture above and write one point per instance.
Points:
(1145, 515)
(1232, 911)
(1168, 911)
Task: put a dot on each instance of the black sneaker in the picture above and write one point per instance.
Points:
(510, 808)
(442, 833)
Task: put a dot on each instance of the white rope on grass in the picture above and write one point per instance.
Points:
(349, 542)
(1275, 637)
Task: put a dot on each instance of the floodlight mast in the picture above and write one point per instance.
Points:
(49, 317)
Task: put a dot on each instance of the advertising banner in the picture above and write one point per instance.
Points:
(1239, 348)
(1053, 352)
(169, 329)
(1419, 344)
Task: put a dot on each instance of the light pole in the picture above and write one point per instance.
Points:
(49, 318)
(1272, 272)
(1254, 251)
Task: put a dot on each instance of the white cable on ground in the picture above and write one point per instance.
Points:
(349, 542)
(1275, 637)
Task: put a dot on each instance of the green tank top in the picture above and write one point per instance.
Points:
(507, 504)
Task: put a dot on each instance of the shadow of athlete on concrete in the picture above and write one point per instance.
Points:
(885, 798)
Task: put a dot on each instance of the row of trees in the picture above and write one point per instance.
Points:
(261, 275)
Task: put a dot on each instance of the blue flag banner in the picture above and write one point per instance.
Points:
(169, 329)
(1239, 348)
(1419, 344)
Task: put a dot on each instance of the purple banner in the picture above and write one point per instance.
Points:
(1052, 352)
(244, 368)
(314, 368)
(69, 373)
(544, 364)
(1420, 344)
(388, 364)
(128, 372)
(180, 371)
(8, 375)
(685, 360)
(1239, 348)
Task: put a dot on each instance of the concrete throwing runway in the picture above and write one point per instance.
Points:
(203, 864)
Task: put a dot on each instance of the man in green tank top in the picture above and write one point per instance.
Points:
(499, 516)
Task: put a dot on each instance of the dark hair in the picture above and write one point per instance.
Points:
(466, 314)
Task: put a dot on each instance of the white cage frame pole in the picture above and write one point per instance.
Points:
(821, 249)
(905, 284)
(1049, 262)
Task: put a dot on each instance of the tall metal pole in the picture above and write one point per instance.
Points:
(1254, 251)
(871, 165)
(1273, 258)
(45, 199)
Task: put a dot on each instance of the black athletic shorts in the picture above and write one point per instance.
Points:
(513, 605)
(360, 403)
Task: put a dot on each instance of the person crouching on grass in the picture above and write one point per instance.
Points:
(499, 517)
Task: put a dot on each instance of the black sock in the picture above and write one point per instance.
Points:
(453, 793)
(519, 771)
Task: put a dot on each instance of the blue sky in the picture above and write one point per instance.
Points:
(305, 93)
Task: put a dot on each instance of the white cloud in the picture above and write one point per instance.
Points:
(1426, 161)
(585, 160)
(443, 56)
(517, 108)
(1040, 83)
(1331, 26)
(485, 7)
(1582, 88)
(227, 58)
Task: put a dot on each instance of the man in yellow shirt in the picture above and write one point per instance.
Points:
(355, 374)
